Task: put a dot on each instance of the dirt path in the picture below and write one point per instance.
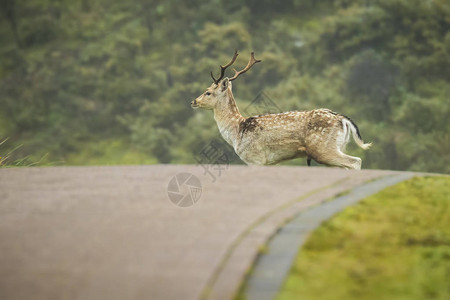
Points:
(113, 233)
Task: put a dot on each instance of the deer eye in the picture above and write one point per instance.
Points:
(207, 93)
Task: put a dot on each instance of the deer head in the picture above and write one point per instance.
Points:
(217, 92)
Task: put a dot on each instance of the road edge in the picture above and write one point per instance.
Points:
(271, 267)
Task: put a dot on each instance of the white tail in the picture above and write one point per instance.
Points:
(351, 127)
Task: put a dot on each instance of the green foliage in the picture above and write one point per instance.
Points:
(79, 75)
(392, 245)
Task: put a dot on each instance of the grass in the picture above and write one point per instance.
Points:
(104, 152)
(10, 159)
(108, 152)
(7, 162)
(392, 245)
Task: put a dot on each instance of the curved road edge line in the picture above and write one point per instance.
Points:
(271, 268)
(208, 290)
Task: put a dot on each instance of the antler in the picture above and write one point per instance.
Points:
(223, 68)
(251, 62)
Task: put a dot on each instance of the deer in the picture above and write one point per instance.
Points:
(268, 139)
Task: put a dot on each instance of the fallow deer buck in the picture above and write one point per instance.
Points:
(319, 134)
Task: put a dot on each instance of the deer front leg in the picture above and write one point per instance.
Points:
(303, 150)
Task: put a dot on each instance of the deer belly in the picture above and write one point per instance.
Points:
(279, 156)
(269, 153)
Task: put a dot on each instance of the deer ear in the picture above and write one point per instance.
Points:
(224, 84)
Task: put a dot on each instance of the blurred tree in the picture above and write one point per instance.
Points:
(100, 79)
(8, 10)
(370, 83)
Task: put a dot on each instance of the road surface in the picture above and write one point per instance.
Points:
(113, 233)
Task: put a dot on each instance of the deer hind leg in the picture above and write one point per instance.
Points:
(343, 160)
(350, 162)
(339, 159)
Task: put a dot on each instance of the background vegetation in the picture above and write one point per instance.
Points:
(110, 82)
(392, 245)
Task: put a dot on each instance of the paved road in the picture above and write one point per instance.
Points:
(112, 232)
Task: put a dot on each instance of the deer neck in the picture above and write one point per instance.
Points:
(228, 118)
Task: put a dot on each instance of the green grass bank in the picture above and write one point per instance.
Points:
(392, 245)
